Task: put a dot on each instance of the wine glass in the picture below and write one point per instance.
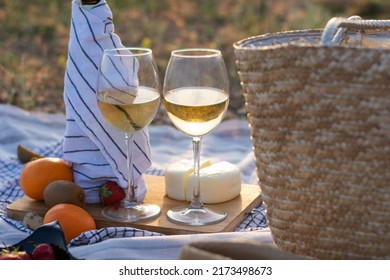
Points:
(128, 96)
(196, 96)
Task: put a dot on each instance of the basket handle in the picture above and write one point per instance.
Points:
(334, 30)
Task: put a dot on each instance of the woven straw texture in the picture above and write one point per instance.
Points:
(320, 125)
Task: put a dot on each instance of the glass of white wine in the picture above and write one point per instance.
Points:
(196, 97)
(128, 95)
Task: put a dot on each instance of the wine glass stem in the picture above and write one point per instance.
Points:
(196, 202)
(131, 195)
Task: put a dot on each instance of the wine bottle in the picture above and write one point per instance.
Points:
(88, 4)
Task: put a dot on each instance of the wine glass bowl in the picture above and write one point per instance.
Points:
(198, 120)
(128, 97)
(196, 96)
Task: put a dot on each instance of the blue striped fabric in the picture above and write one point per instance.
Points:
(95, 149)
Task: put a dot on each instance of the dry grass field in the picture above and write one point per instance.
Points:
(34, 36)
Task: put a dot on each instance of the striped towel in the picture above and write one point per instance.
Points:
(96, 150)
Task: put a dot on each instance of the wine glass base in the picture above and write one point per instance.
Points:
(132, 212)
(195, 216)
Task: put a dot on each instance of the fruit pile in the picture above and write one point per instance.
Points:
(43, 251)
(50, 180)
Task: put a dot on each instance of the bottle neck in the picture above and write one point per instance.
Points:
(89, 2)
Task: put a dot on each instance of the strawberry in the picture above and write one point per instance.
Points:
(111, 193)
(15, 254)
(43, 251)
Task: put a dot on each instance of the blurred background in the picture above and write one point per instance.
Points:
(34, 37)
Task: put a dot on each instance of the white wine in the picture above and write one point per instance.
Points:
(126, 112)
(196, 110)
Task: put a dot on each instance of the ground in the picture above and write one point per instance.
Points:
(34, 37)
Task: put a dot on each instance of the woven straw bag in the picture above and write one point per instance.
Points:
(318, 104)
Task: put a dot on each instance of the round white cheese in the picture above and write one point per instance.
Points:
(219, 182)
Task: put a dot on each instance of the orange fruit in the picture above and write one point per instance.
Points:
(37, 174)
(73, 219)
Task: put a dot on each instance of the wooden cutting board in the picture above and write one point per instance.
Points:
(236, 210)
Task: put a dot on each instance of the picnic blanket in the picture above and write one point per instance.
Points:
(44, 134)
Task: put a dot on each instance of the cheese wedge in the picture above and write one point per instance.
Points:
(219, 182)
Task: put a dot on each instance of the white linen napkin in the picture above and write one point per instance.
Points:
(96, 150)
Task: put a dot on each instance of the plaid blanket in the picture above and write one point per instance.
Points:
(10, 191)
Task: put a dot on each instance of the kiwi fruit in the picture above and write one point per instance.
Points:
(62, 191)
(25, 154)
(32, 220)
